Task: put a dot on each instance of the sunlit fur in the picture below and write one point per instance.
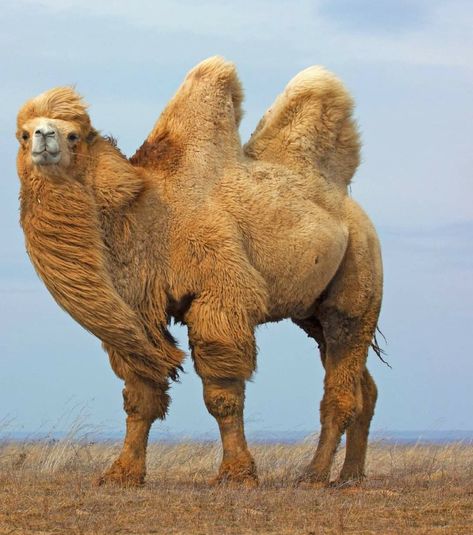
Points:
(220, 237)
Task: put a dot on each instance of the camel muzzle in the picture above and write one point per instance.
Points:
(45, 146)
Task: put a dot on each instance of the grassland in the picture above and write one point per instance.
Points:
(48, 488)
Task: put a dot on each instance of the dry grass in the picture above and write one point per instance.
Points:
(47, 488)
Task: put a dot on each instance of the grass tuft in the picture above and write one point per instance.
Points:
(47, 487)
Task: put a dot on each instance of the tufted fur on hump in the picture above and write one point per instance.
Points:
(57, 103)
(310, 127)
(198, 130)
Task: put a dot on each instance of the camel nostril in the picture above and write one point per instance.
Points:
(45, 132)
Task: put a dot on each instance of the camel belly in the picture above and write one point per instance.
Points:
(297, 252)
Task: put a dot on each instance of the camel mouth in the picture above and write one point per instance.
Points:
(46, 157)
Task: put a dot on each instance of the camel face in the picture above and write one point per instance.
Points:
(55, 134)
(50, 144)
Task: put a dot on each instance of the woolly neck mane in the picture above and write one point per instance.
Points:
(60, 219)
(64, 243)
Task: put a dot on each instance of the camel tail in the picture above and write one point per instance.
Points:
(378, 349)
(310, 127)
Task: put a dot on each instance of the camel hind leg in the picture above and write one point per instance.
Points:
(346, 317)
(349, 396)
(357, 434)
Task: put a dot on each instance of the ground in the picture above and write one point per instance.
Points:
(48, 488)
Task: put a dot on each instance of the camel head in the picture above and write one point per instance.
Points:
(55, 133)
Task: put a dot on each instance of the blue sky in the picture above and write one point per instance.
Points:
(409, 66)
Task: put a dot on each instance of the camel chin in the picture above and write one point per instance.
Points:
(45, 158)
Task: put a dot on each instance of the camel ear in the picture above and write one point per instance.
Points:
(91, 136)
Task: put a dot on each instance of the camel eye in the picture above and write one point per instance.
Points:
(25, 136)
(73, 137)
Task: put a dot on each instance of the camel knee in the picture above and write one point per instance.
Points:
(340, 405)
(146, 401)
(370, 396)
(344, 403)
(224, 398)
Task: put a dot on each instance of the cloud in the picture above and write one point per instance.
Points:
(436, 33)
(386, 16)
(214, 18)
(413, 32)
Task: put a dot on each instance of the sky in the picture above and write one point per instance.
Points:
(409, 66)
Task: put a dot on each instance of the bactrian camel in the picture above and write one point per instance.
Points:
(218, 236)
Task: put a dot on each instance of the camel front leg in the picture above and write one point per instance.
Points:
(144, 402)
(224, 353)
(224, 399)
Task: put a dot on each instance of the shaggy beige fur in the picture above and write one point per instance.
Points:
(220, 237)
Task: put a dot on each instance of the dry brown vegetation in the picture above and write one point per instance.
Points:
(48, 488)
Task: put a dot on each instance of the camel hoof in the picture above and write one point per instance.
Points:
(237, 477)
(121, 475)
(237, 473)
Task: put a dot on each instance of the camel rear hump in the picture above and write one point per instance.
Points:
(310, 127)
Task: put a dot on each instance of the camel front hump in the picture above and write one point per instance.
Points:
(299, 262)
